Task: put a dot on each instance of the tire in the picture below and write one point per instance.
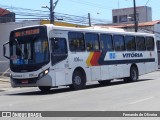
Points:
(78, 80)
(44, 89)
(133, 75)
(104, 82)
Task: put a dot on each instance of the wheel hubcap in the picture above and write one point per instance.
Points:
(77, 80)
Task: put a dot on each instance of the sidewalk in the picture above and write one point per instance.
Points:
(4, 83)
(4, 79)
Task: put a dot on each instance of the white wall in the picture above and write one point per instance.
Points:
(157, 29)
(5, 29)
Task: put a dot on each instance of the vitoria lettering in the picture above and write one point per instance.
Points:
(132, 55)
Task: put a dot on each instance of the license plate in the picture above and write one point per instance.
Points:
(24, 81)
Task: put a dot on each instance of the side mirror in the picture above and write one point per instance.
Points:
(4, 50)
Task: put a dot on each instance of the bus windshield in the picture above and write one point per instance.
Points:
(29, 47)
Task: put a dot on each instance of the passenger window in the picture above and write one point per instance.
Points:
(140, 43)
(130, 43)
(119, 42)
(149, 43)
(92, 41)
(106, 43)
(76, 41)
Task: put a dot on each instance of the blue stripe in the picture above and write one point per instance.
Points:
(126, 61)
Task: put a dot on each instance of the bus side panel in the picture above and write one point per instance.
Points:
(78, 59)
(60, 76)
(96, 73)
(105, 72)
(152, 66)
(141, 68)
(112, 74)
(126, 70)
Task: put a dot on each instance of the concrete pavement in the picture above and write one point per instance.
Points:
(5, 81)
(143, 95)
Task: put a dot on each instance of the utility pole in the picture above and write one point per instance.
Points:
(51, 12)
(135, 17)
(89, 19)
(51, 9)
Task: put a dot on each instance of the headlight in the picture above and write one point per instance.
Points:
(45, 72)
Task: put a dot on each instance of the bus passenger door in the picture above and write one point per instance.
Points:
(59, 59)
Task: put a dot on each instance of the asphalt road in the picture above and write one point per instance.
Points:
(143, 95)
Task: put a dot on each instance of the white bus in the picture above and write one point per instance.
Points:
(49, 56)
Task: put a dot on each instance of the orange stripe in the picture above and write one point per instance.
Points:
(89, 59)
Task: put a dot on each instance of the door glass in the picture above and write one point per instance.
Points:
(59, 50)
(59, 46)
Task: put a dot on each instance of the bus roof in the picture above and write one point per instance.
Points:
(89, 29)
(102, 30)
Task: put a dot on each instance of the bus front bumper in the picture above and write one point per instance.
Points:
(32, 82)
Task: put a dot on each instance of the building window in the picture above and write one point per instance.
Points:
(149, 43)
(106, 42)
(140, 43)
(115, 19)
(131, 17)
(130, 43)
(123, 18)
(76, 41)
(118, 42)
(92, 41)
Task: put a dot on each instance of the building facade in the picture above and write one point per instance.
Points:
(125, 15)
(6, 16)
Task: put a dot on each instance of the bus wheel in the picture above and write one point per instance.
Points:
(133, 75)
(44, 88)
(104, 82)
(78, 80)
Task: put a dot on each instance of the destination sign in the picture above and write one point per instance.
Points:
(27, 32)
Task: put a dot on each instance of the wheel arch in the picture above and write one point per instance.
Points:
(81, 70)
(134, 65)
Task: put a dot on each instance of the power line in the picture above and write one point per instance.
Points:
(31, 14)
(147, 2)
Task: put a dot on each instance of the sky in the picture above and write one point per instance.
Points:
(100, 9)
